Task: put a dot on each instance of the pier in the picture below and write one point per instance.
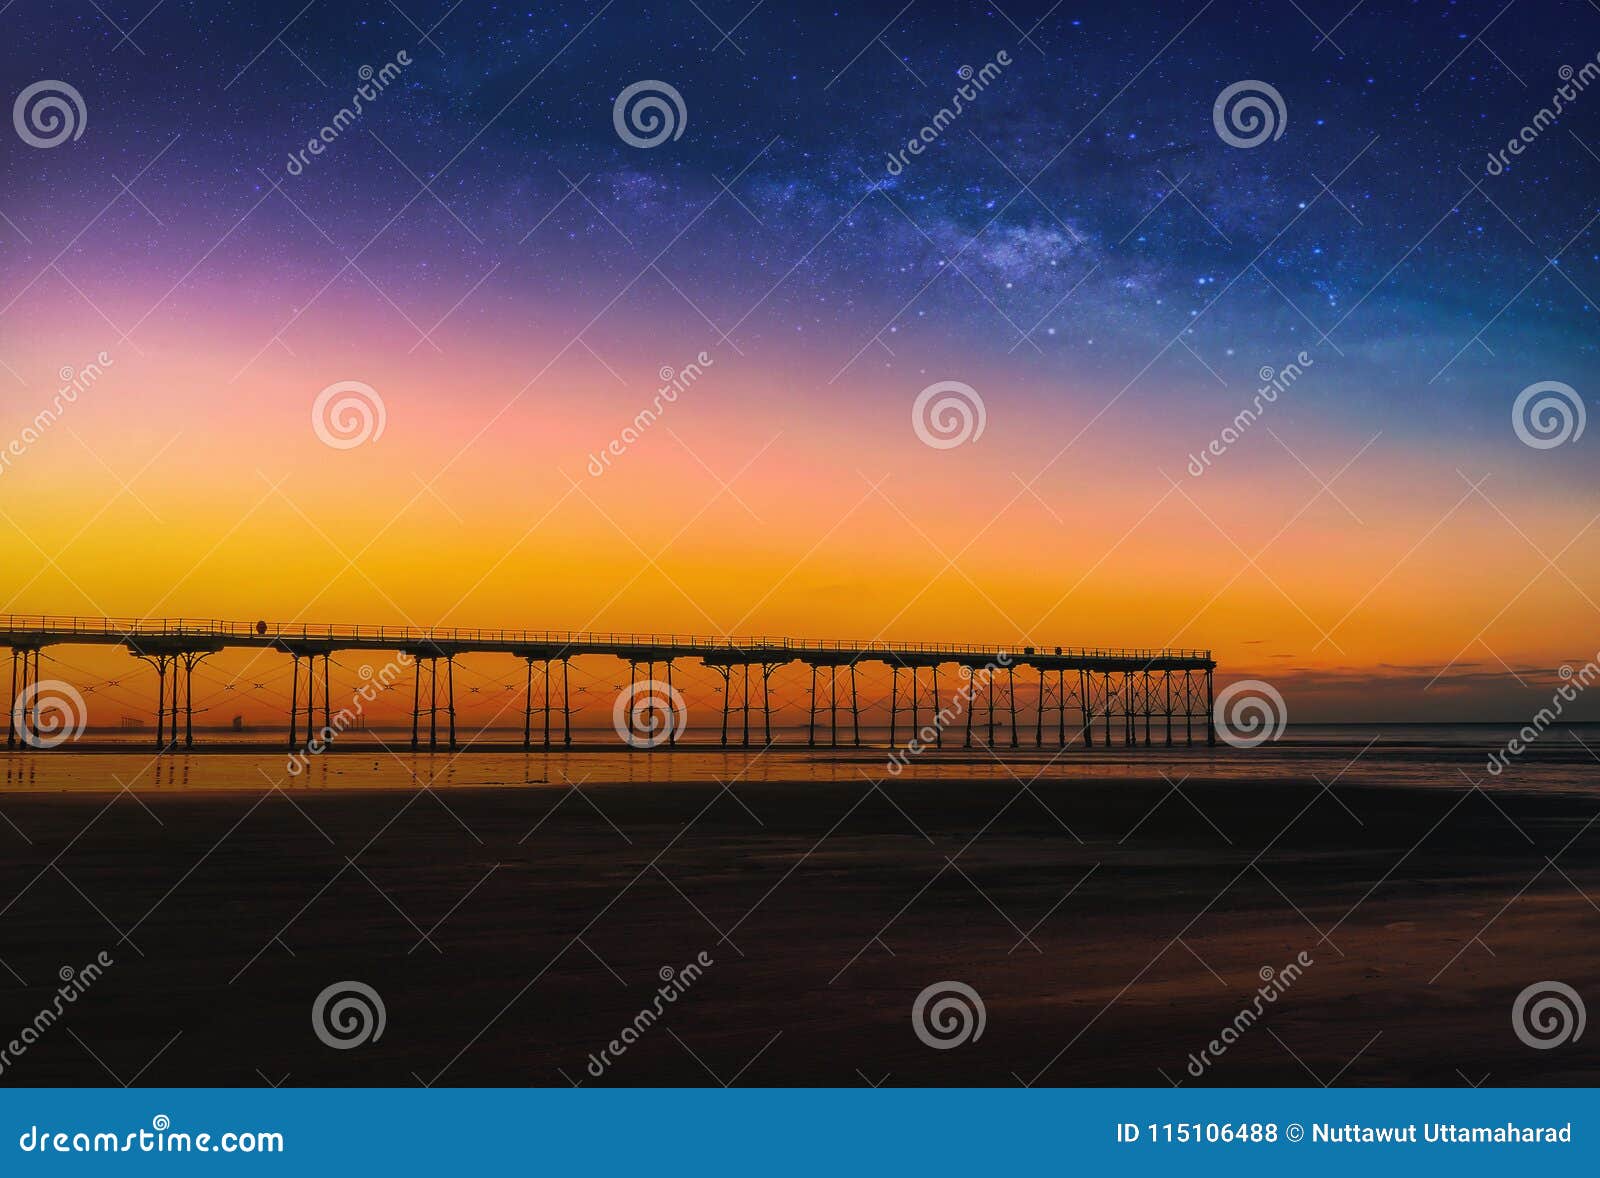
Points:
(1080, 696)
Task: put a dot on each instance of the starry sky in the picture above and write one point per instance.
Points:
(1079, 245)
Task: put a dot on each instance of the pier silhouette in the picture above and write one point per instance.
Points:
(1144, 695)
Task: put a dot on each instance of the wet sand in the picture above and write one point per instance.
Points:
(1111, 927)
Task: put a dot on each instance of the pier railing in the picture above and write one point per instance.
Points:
(265, 633)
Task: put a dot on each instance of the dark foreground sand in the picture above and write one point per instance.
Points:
(826, 909)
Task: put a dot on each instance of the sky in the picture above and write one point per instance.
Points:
(1081, 247)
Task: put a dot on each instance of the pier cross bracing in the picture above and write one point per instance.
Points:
(1082, 696)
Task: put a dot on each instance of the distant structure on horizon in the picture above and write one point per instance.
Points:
(1110, 688)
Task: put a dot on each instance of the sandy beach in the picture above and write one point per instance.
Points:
(1112, 925)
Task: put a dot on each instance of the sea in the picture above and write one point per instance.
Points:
(1563, 758)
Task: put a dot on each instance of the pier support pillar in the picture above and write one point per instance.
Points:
(11, 704)
(735, 699)
(825, 688)
(811, 717)
(972, 704)
(432, 707)
(855, 710)
(1131, 708)
(1054, 699)
(1188, 707)
(566, 707)
(737, 702)
(766, 700)
(545, 706)
(894, 700)
(527, 715)
(174, 668)
(1086, 704)
(924, 692)
(309, 659)
(416, 698)
(171, 675)
(644, 738)
(433, 703)
(22, 715)
(1011, 700)
(996, 691)
(450, 679)
(186, 662)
